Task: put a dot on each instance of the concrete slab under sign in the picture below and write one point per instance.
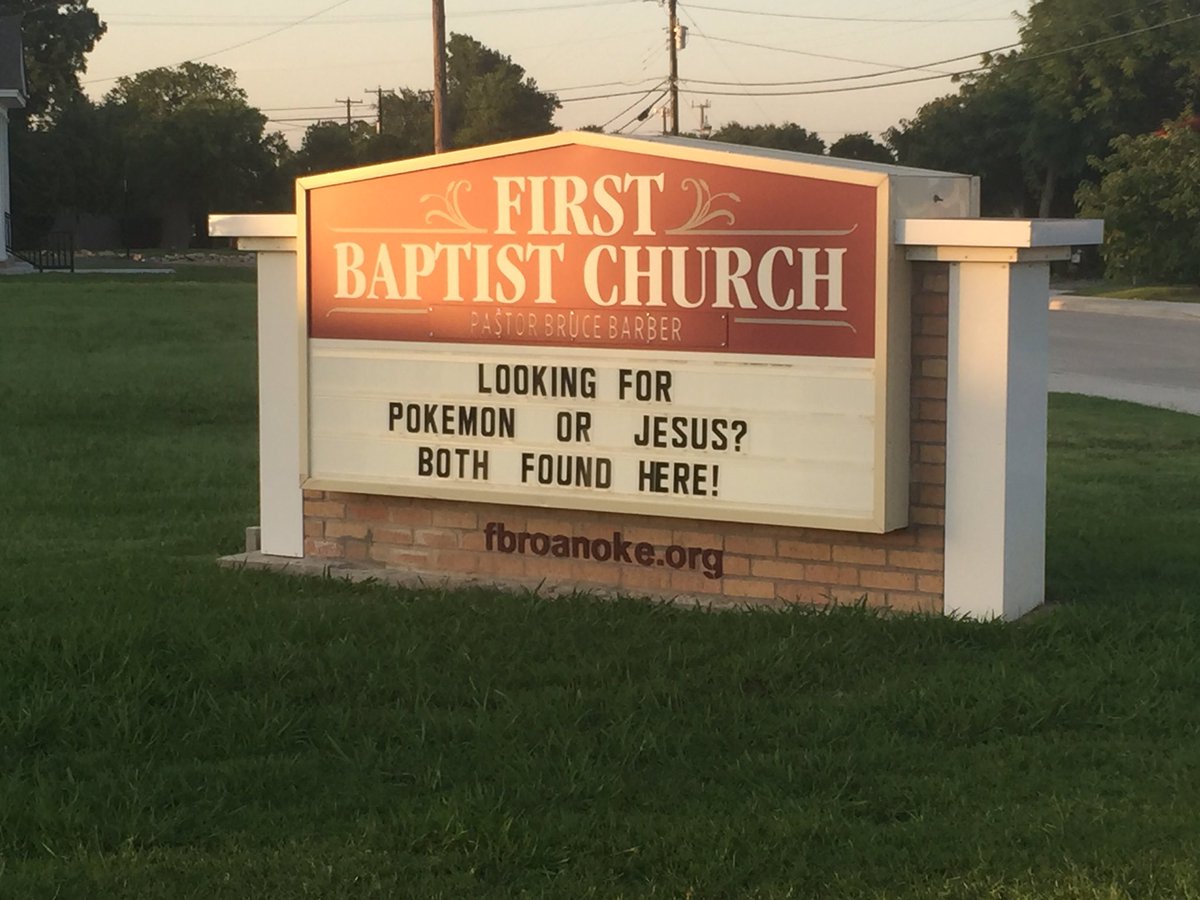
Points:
(343, 570)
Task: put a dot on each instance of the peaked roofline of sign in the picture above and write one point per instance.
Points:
(793, 155)
(692, 150)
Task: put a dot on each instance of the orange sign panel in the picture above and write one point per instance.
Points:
(593, 247)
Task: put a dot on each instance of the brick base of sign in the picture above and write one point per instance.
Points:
(672, 558)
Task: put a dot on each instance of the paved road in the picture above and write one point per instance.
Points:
(1127, 350)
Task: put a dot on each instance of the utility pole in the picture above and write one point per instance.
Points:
(705, 129)
(673, 43)
(349, 103)
(378, 92)
(439, 75)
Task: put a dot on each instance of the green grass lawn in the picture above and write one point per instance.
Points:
(1173, 293)
(169, 729)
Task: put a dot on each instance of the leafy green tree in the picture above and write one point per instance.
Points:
(489, 98)
(1004, 126)
(788, 136)
(1114, 65)
(1087, 71)
(861, 146)
(72, 164)
(408, 121)
(52, 169)
(977, 131)
(58, 36)
(1149, 198)
(1100, 70)
(329, 146)
(191, 141)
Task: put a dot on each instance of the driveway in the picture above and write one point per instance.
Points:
(1138, 350)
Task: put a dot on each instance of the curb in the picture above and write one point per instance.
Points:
(1112, 306)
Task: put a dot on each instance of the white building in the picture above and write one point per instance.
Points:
(13, 95)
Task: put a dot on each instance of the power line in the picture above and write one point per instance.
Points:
(309, 119)
(892, 70)
(857, 87)
(342, 103)
(1104, 40)
(261, 37)
(641, 123)
(632, 105)
(604, 96)
(651, 55)
(584, 87)
(862, 62)
(872, 20)
(269, 34)
(644, 115)
(238, 21)
(1019, 59)
(287, 126)
(720, 56)
(293, 108)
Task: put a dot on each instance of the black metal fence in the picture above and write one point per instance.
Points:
(55, 251)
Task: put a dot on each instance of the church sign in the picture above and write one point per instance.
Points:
(580, 323)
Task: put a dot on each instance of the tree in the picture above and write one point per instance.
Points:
(408, 121)
(977, 131)
(329, 146)
(1102, 71)
(489, 98)
(1149, 198)
(58, 36)
(861, 146)
(1114, 65)
(1004, 126)
(71, 164)
(788, 136)
(1086, 72)
(192, 142)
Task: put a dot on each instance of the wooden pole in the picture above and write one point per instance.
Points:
(349, 117)
(378, 92)
(673, 43)
(439, 76)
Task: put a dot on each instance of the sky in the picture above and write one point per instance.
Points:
(750, 61)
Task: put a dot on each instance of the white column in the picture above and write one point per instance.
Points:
(281, 501)
(996, 380)
(996, 439)
(280, 351)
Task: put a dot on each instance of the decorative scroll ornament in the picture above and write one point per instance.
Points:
(704, 212)
(450, 210)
